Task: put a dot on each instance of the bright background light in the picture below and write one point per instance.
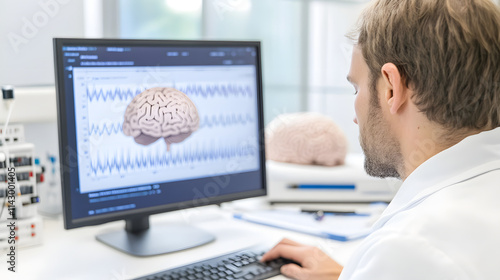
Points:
(184, 6)
(240, 5)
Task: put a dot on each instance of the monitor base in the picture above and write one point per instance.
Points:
(157, 240)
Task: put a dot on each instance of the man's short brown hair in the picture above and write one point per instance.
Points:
(448, 52)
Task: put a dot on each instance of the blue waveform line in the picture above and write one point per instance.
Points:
(125, 162)
(112, 95)
(219, 90)
(190, 90)
(108, 129)
(226, 120)
(207, 121)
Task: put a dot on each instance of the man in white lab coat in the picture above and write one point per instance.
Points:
(427, 79)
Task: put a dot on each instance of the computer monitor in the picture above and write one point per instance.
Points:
(151, 126)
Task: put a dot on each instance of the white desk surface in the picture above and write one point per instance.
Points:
(76, 254)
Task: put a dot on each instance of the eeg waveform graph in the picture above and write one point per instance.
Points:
(96, 94)
(224, 96)
(223, 120)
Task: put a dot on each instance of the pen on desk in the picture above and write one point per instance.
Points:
(320, 214)
(329, 212)
(323, 186)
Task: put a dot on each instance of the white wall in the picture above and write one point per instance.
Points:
(26, 59)
(329, 62)
(27, 28)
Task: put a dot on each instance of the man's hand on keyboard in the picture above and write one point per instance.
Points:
(314, 263)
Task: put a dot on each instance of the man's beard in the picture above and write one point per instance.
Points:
(382, 151)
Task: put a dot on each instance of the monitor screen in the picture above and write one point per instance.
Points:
(149, 126)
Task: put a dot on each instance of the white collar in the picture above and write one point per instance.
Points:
(470, 157)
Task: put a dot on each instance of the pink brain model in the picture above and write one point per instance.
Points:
(305, 138)
(160, 113)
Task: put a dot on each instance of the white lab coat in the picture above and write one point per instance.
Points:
(444, 222)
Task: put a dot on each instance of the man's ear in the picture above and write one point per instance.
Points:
(394, 87)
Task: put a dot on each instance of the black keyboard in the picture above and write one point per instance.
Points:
(243, 264)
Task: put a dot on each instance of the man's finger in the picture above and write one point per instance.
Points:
(285, 251)
(294, 271)
(290, 242)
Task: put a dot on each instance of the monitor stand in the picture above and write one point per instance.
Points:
(139, 240)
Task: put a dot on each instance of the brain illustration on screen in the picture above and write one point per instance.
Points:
(305, 138)
(161, 113)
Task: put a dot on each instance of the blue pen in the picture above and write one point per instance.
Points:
(323, 187)
(320, 214)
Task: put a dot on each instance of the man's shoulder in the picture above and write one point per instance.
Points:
(475, 201)
(458, 224)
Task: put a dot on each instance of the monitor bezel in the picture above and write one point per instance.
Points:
(65, 156)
